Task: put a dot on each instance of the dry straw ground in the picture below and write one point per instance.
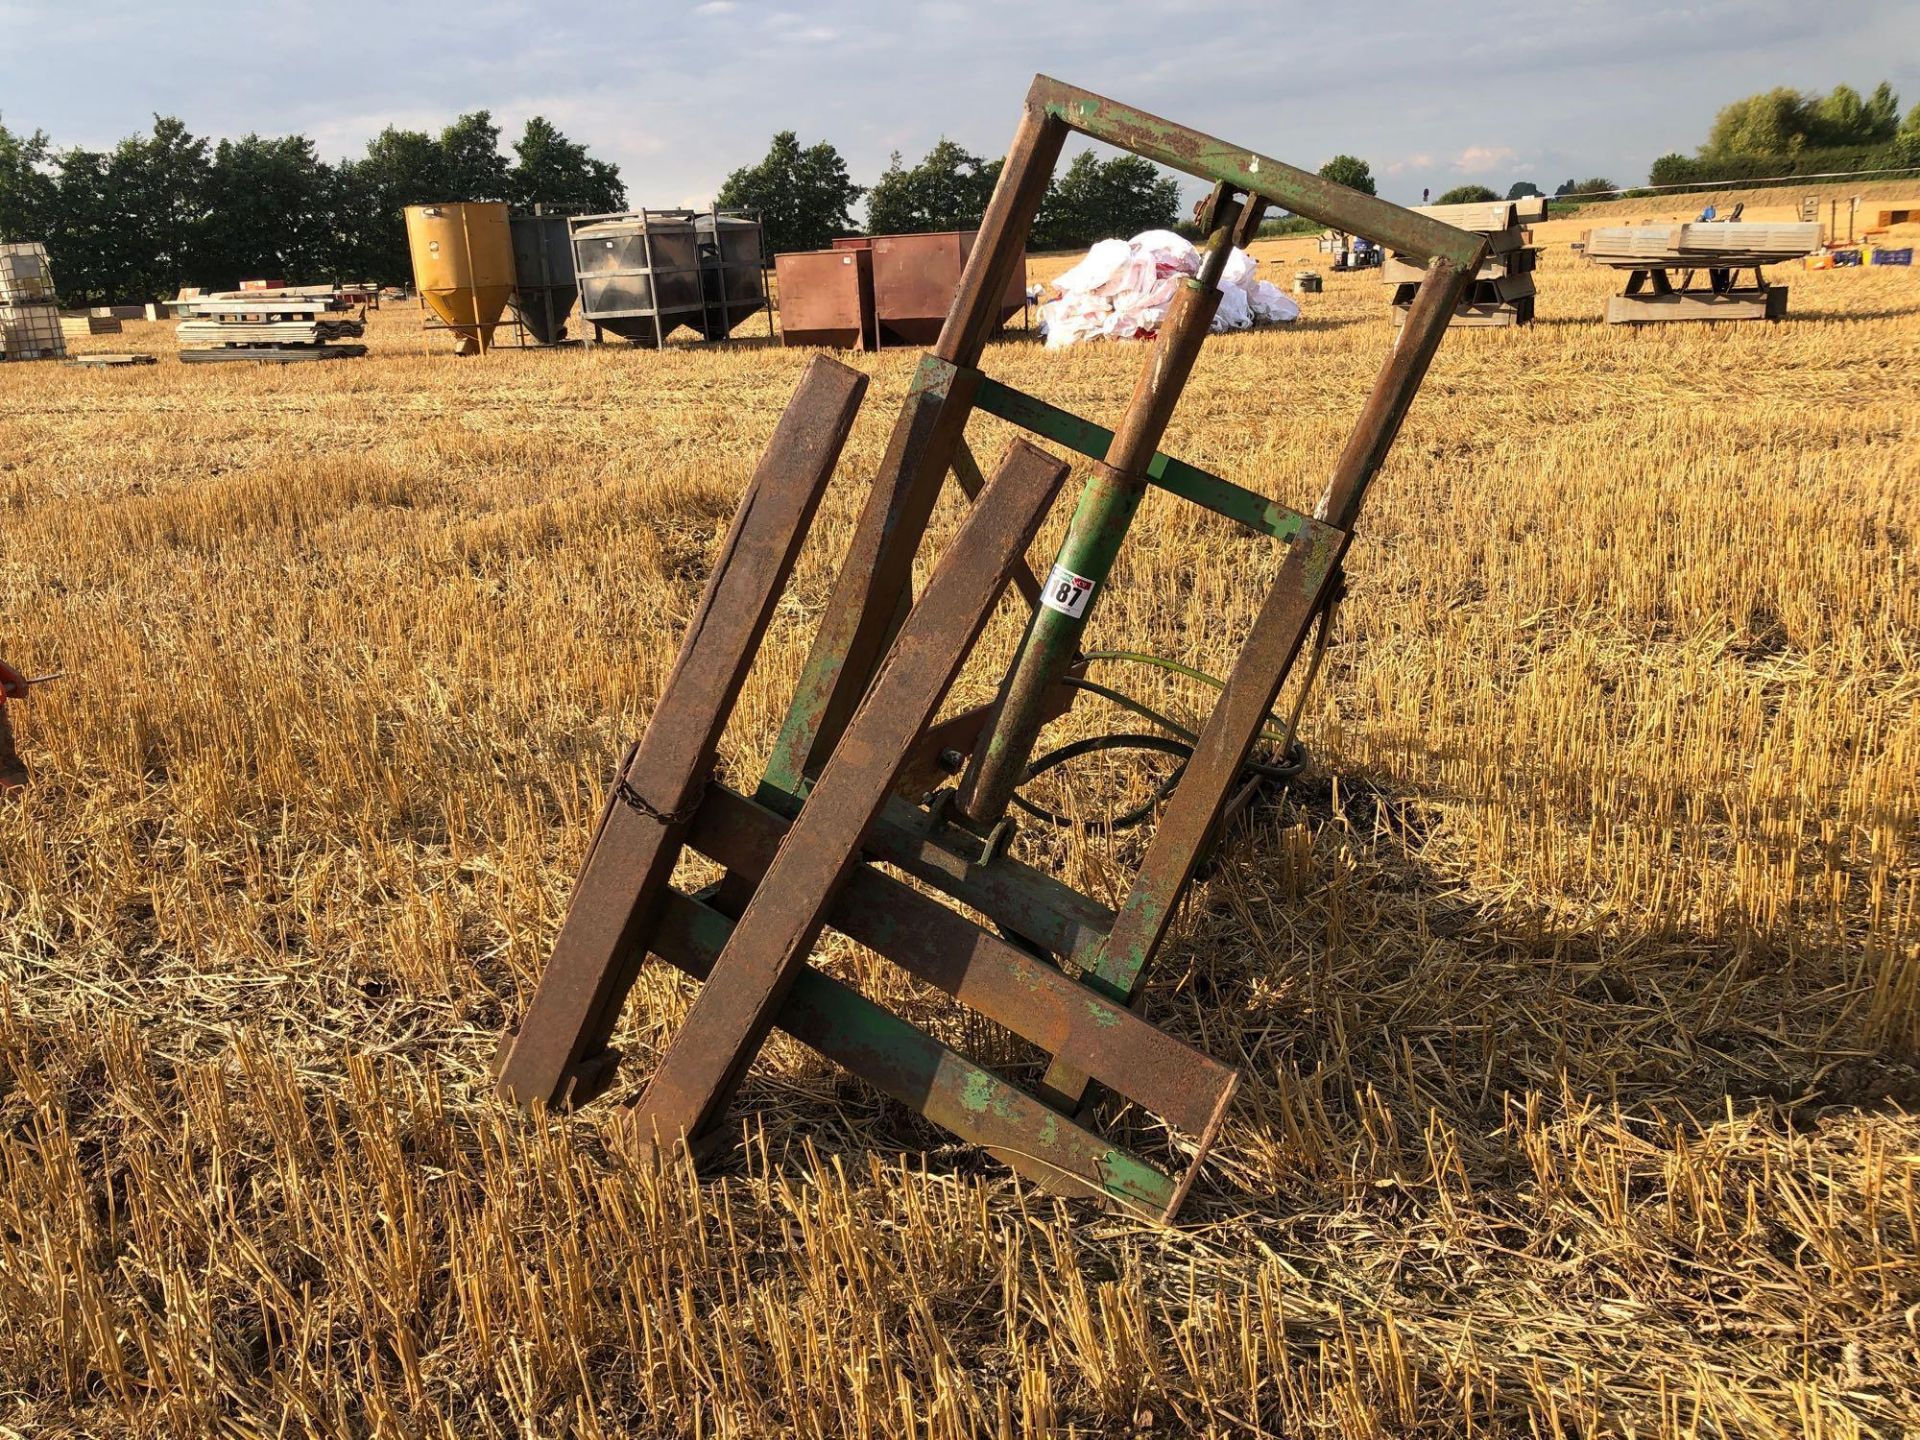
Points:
(1576, 989)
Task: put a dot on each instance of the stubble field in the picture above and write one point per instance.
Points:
(1577, 987)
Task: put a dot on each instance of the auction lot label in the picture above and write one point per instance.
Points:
(1067, 592)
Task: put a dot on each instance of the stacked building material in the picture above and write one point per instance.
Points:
(281, 324)
(79, 326)
(1713, 252)
(1502, 288)
(29, 323)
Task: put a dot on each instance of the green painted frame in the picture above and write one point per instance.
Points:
(1041, 1132)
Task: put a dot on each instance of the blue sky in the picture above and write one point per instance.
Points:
(678, 92)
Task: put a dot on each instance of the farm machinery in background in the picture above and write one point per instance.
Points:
(637, 274)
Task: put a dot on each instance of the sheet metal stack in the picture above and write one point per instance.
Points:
(1502, 289)
(1712, 251)
(29, 321)
(278, 325)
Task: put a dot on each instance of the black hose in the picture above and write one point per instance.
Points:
(1090, 745)
(1273, 774)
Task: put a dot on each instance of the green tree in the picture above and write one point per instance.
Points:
(1838, 118)
(1774, 122)
(271, 216)
(160, 185)
(400, 168)
(128, 224)
(551, 170)
(84, 239)
(1096, 199)
(1880, 117)
(1350, 171)
(26, 186)
(890, 200)
(1908, 138)
(1521, 189)
(804, 196)
(1785, 122)
(474, 168)
(1467, 195)
(1595, 186)
(1673, 168)
(948, 190)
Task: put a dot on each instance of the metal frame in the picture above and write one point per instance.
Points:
(555, 321)
(720, 266)
(1652, 296)
(1054, 966)
(700, 269)
(430, 324)
(661, 328)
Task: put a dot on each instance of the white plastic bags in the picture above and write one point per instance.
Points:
(1121, 289)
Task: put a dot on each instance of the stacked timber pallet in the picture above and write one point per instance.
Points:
(1693, 271)
(79, 326)
(277, 324)
(1502, 289)
(29, 321)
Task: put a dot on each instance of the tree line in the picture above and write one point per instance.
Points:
(805, 196)
(171, 208)
(1782, 132)
(1356, 174)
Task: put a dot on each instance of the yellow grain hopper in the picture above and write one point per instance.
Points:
(463, 267)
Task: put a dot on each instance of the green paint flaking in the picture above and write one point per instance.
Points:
(1176, 477)
(1283, 185)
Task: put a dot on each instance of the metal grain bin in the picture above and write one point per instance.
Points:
(639, 273)
(734, 284)
(463, 266)
(545, 287)
(914, 280)
(826, 298)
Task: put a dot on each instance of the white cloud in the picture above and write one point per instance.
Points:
(1483, 159)
(646, 87)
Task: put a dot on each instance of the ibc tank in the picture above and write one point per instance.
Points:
(463, 266)
(731, 278)
(545, 288)
(639, 273)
